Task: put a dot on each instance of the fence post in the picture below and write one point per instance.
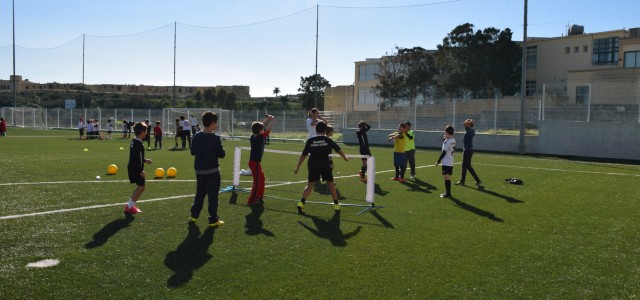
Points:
(131, 120)
(454, 112)
(495, 116)
(544, 95)
(71, 118)
(589, 105)
(232, 121)
(284, 121)
(33, 115)
(58, 118)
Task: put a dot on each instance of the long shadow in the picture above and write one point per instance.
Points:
(190, 255)
(234, 198)
(475, 210)
(378, 190)
(419, 186)
(109, 230)
(382, 219)
(322, 188)
(254, 225)
(498, 195)
(331, 230)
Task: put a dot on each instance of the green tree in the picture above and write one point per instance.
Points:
(210, 97)
(313, 88)
(479, 64)
(407, 74)
(198, 95)
(284, 100)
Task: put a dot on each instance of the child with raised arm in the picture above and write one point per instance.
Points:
(399, 157)
(446, 157)
(410, 149)
(206, 148)
(363, 141)
(318, 149)
(136, 167)
(314, 118)
(260, 131)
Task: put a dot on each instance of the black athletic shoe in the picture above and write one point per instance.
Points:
(460, 183)
(478, 182)
(445, 195)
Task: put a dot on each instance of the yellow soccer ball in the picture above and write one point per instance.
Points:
(172, 172)
(112, 169)
(159, 173)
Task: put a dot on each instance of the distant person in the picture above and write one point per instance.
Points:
(261, 131)
(109, 128)
(318, 149)
(135, 167)
(178, 134)
(467, 153)
(363, 141)
(3, 127)
(193, 121)
(129, 128)
(207, 149)
(147, 138)
(186, 132)
(399, 157)
(81, 128)
(89, 129)
(446, 157)
(125, 128)
(410, 149)
(313, 118)
(157, 133)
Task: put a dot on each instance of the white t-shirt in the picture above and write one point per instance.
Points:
(193, 121)
(185, 125)
(311, 129)
(80, 125)
(109, 126)
(449, 146)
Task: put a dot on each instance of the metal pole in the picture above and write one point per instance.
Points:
(58, 118)
(544, 95)
(454, 113)
(175, 26)
(589, 105)
(524, 78)
(316, 74)
(82, 91)
(495, 116)
(15, 94)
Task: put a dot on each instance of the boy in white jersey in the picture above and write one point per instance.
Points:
(446, 157)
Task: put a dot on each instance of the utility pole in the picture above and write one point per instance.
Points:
(523, 84)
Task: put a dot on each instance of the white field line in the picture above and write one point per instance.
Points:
(104, 181)
(273, 185)
(560, 170)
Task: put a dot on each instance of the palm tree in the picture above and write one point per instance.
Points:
(276, 91)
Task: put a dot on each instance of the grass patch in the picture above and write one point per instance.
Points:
(569, 232)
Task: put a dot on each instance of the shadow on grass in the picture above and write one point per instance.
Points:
(378, 190)
(321, 187)
(254, 225)
(475, 210)
(190, 255)
(417, 185)
(234, 198)
(382, 220)
(178, 149)
(109, 230)
(330, 230)
(506, 198)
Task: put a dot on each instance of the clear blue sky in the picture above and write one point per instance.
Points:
(259, 43)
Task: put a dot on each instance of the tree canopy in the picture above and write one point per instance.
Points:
(311, 87)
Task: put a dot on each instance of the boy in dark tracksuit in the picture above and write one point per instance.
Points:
(135, 167)
(467, 153)
(363, 140)
(207, 148)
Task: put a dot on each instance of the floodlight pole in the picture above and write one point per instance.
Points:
(82, 90)
(524, 79)
(174, 62)
(316, 77)
(15, 94)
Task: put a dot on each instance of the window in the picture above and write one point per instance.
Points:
(585, 48)
(530, 88)
(632, 59)
(582, 94)
(368, 71)
(576, 49)
(366, 97)
(605, 51)
(532, 57)
(567, 50)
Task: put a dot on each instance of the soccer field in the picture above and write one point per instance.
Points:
(570, 232)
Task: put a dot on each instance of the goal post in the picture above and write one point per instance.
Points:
(281, 183)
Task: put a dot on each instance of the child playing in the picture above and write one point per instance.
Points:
(318, 149)
(186, 132)
(260, 131)
(467, 153)
(90, 129)
(399, 158)
(178, 132)
(136, 167)
(125, 128)
(81, 128)
(206, 149)
(410, 149)
(157, 133)
(446, 157)
(109, 128)
(3, 127)
(361, 133)
(148, 137)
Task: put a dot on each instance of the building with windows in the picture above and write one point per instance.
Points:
(600, 68)
(365, 79)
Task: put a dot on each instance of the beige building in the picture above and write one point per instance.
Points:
(242, 91)
(365, 98)
(338, 97)
(596, 68)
